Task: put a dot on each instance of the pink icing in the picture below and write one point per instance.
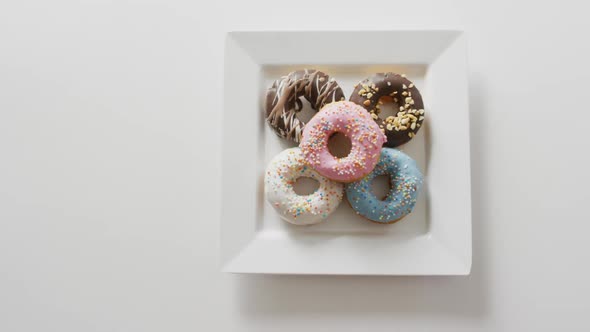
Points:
(356, 123)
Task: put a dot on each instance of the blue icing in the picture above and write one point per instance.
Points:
(406, 181)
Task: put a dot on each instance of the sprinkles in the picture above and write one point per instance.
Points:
(358, 126)
(406, 181)
(280, 176)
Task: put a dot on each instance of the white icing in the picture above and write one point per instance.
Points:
(283, 170)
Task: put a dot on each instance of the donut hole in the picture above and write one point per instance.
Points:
(380, 186)
(339, 145)
(304, 186)
(306, 112)
(388, 107)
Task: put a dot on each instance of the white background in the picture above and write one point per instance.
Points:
(109, 173)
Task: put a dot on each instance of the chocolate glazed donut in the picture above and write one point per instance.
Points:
(283, 100)
(372, 91)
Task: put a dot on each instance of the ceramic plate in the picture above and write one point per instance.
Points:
(434, 240)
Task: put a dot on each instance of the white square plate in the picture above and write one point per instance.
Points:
(434, 240)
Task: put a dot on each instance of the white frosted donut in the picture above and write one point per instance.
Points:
(282, 172)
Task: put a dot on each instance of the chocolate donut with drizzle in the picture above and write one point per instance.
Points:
(382, 87)
(283, 100)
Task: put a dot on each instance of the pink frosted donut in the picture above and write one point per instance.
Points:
(357, 125)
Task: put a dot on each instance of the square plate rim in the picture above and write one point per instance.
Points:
(230, 265)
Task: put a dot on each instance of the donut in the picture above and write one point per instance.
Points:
(283, 100)
(405, 181)
(282, 172)
(357, 125)
(402, 127)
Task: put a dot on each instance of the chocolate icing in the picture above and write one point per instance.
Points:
(283, 100)
(402, 127)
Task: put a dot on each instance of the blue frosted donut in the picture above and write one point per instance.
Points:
(405, 181)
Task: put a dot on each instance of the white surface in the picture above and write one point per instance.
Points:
(434, 240)
(109, 182)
